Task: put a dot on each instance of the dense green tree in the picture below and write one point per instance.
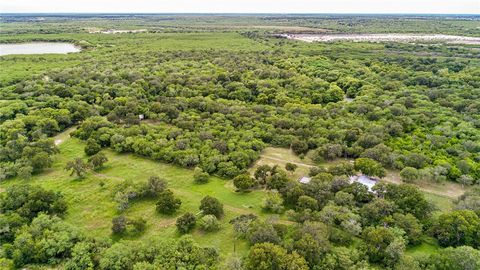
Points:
(167, 202)
(409, 174)
(211, 206)
(28, 201)
(92, 147)
(382, 245)
(369, 167)
(209, 223)
(299, 147)
(262, 231)
(306, 202)
(457, 228)
(186, 222)
(267, 256)
(273, 202)
(46, 240)
(290, 167)
(199, 176)
(408, 198)
(97, 161)
(311, 241)
(78, 167)
(373, 212)
(243, 182)
(460, 258)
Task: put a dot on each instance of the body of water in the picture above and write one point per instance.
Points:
(38, 48)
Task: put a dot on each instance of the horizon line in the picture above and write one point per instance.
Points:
(234, 13)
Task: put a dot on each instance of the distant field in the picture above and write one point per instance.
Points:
(16, 67)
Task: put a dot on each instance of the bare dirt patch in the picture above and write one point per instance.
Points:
(115, 31)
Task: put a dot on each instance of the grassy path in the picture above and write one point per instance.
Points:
(64, 135)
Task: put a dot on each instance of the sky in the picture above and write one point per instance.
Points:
(241, 6)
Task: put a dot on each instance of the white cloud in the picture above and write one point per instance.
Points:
(244, 6)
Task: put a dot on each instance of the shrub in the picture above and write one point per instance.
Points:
(186, 222)
(119, 225)
(92, 147)
(409, 174)
(243, 182)
(209, 223)
(199, 176)
(211, 206)
(96, 161)
(273, 202)
(167, 203)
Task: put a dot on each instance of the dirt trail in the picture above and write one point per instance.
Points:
(61, 137)
(293, 162)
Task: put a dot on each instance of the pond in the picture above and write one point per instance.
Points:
(38, 48)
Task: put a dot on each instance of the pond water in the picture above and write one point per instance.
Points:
(38, 48)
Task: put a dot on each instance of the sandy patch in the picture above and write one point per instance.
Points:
(407, 38)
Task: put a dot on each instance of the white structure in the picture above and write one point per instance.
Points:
(364, 180)
(305, 180)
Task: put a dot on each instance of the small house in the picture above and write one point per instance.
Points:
(305, 180)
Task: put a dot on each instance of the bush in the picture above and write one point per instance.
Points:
(199, 176)
(409, 174)
(273, 202)
(211, 206)
(369, 167)
(139, 224)
(92, 147)
(167, 203)
(119, 225)
(209, 223)
(154, 186)
(306, 202)
(96, 161)
(299, 147)
(186, 222)
(243, 182)
(290, 167)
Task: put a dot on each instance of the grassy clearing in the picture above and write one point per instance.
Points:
(281, 156)
(446, 189)
(428, 247)
(92, 208)
(443, 203)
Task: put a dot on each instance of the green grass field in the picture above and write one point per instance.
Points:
(91, 206)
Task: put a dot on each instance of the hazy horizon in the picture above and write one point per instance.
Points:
(434, 7)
